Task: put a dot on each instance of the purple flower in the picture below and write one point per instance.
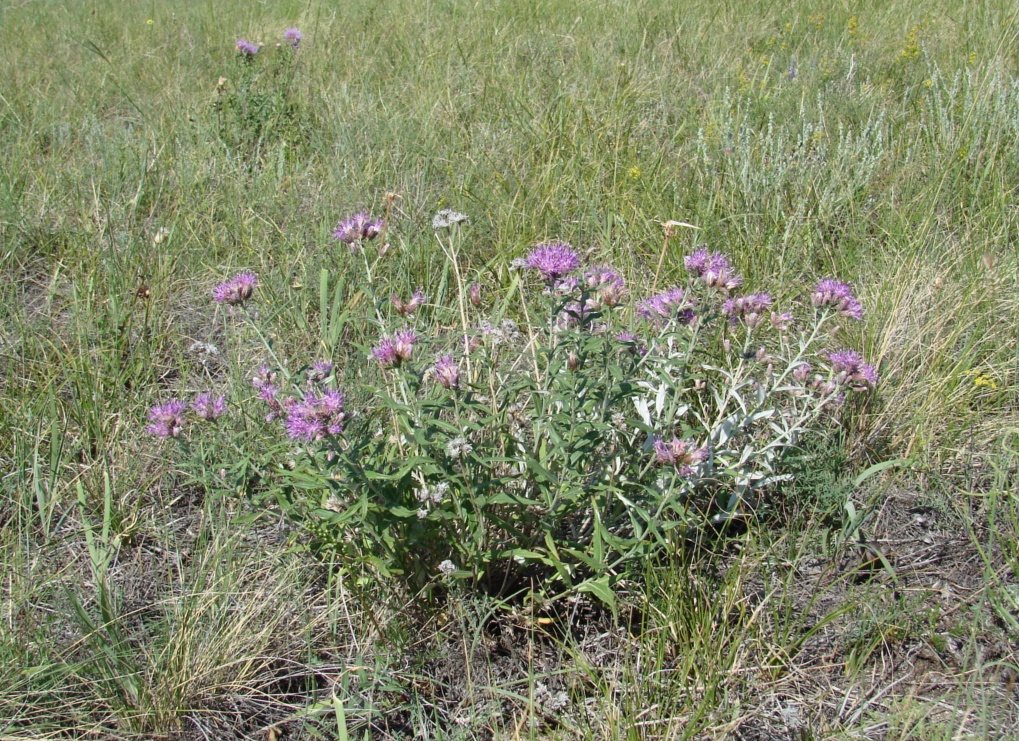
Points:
(267, 392)
(665, 305)
(682, 454)
(403, 344)
(553, 260)
(634, 344)
(320, 371)
(237, 290)
(247, 48)
(406, 309)
(358, 228)
(316, 417)
(475, 294)
(838, 295)
(713, 268)
(294, 36)
(167, 419)
(385, 353)
(750, 309)
(850, 370)
(447, 372)
(263, 376)
(209, 408)
(781, 321)
(607, 283)
(802, 372)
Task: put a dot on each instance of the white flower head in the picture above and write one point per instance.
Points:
(439, 492)
(447, 567)
(459, 447)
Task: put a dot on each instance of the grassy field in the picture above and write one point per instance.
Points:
(876, 141)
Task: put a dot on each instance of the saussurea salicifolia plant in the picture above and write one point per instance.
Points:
(553, 432)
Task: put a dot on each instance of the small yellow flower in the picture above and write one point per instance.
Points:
(635, 173)
(149, 22)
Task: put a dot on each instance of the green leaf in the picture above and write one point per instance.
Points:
(600, 588)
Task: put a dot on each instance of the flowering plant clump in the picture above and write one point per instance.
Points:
(590, 431)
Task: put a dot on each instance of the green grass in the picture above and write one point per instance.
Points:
(877, 143)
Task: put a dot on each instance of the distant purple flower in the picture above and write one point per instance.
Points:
(247, 48)
(358, 228)
(713, 268)
(682, 454)
(167, 419)
(391, 351)
(294, 36)
(447, 372)
(607, 283)
(320, 371)
(237, 290)
(263, 376)
(267, 392)
(406, 309)
(553, 260)
(850, 370)
(835, 293)
(634, 344)
(475, 294)
(208, 407)
(665, 305)
(802, 372)
(749, 309)
(781, 321)
(316, 417)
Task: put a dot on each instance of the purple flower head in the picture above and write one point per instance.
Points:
(579, 313)
(608, 284)
(634, 344)
(385, 353)
(781, 321)
(838, 295)
(681, 454)
(447, 372)
(553, 260)
(246, 48)
(209, 408)
(320, 371)
(849, 369)
(802, 372)
(663, 306)
(167, 419)
(749, 309)
(316, 417)
(475, 294)
(713, 268)
(408, 308)
(403, 343)
(263, 376)
(357, 228)
(237, 290)
(294, 36)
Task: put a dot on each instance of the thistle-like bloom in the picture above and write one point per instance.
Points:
(447, 372)
(320, 371)
(713, 268)
(681, 454)
(475, 293)
(608, 285)
(838, 295)
(781, 321)
(446, 218)
(246, 48)
(553, 260)
(208, 407)
(237, 290)
(850, 370)
(634, 344)
(802, 372)
(294, 36)
(750, 309)
(665, 305)
(391, 351)
(357, 228)
(167, 419)
(263, 376)
(408, 308)
(316, 417)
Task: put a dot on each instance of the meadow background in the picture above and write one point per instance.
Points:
(876, 141)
